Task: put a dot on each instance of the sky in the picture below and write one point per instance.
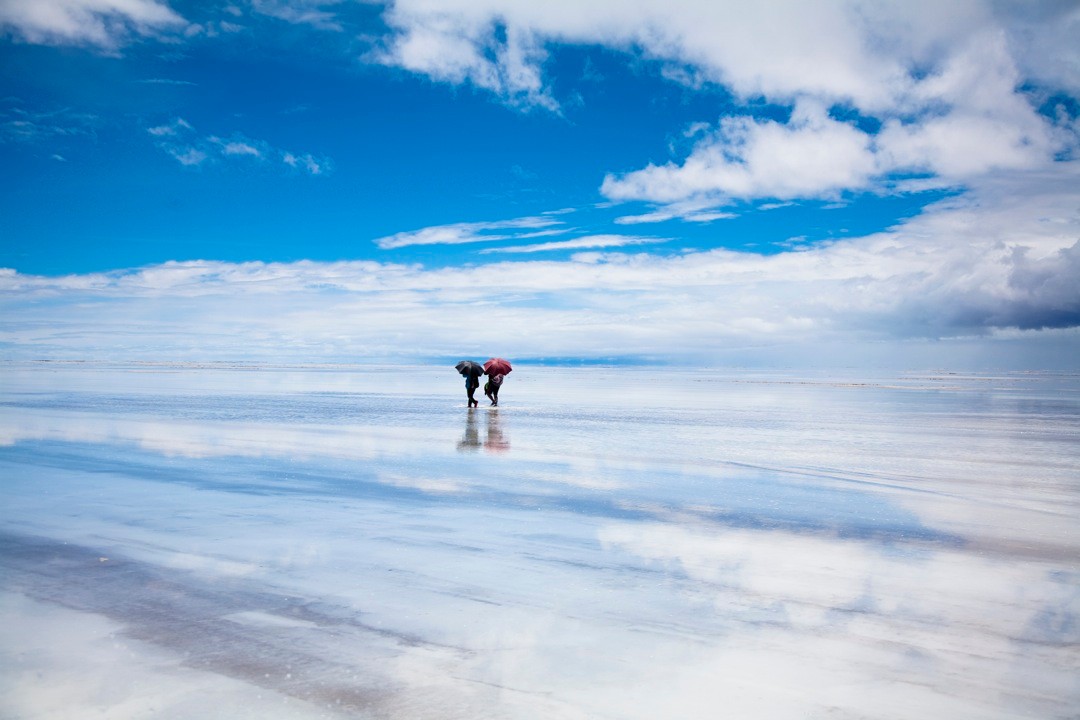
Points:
(715, 183)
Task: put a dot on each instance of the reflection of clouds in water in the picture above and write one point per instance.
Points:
(575, 472)
(818, 612)
(74, 664)
(372, 445)
(194, 439)
(756, 559)
(423, 483)
(209, 439)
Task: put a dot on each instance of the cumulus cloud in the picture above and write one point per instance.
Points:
(763, 49)
(974, 120)
(1043, 39)
(458, 44)
(879, 97)
(998, 261)
(969, 121)
(179, 139)
(869, 54)
(938, 91)
(813, 155)
(105, 24)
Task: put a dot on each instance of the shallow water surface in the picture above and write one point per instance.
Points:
(302, 542)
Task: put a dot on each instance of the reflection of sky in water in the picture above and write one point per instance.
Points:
(607, 543)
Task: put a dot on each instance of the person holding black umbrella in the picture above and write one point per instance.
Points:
(472, 372)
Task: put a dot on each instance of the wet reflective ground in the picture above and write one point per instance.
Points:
(214, 541)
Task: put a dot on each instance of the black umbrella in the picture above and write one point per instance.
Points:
(468, 367)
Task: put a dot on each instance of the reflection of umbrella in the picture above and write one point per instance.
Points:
(496, 442)
(497, 366)
(468, 367)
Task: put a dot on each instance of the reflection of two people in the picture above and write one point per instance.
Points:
(495, 440)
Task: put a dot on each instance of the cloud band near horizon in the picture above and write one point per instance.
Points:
(1009, 269)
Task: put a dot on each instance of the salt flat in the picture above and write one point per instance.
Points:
(334, 541)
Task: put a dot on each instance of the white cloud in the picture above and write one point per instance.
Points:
(306, 162)
(461, 233)
(814, 155)
(188, 156)
(589, 241)
(174, 128)
(181, 140)
(236, 147)
(980, 125)
(866, 53)
(1001, 260)
(456, 45)
(1042, 37)
(811, 156)
(766, 48)
(300, 12)
(20, 124)
(697, 210)
(105, 24)
(165, 81)
(945, 83)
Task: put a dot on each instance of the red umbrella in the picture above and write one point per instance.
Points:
(497, 366)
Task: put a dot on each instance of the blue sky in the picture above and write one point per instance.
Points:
(352, 179)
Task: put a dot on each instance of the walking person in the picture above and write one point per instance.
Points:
(471, 383)
(491, 388)
(496, 369)
(471, 372)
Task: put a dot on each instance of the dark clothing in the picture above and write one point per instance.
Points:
(491, 388)
(472, 381)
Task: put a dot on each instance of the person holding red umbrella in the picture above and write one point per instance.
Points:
(496, 369)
